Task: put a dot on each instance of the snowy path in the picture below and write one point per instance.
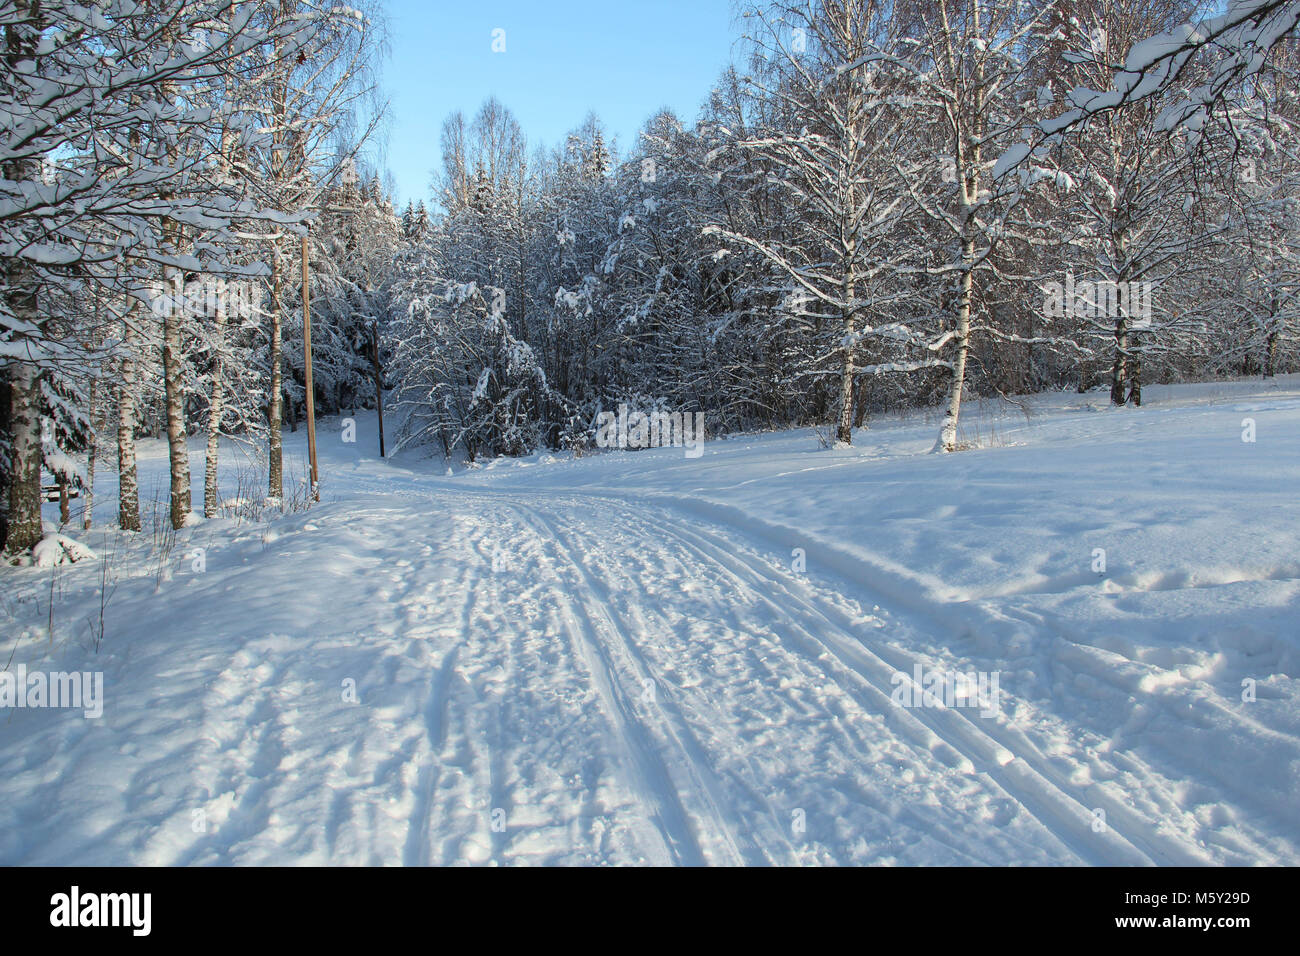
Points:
(727, 698)
(552, 670)
(811, 656)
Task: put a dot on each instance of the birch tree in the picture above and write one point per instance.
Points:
(837, 169)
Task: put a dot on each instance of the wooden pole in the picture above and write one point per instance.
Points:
(311, 394)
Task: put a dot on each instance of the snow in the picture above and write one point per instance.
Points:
(1011, 158)
(56, 549)
(637, 657)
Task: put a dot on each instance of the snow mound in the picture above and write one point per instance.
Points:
(55, 549)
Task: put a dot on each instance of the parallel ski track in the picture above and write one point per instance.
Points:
(1063, 809)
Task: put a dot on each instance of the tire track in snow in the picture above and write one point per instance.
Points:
(946, 732)
(477, 726)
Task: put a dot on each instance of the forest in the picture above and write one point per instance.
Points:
(879, 206)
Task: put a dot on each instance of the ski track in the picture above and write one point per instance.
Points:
(624, 678)
(1025, 779)
(1016, 762)
(816, 627)
(954, 741)
(700, 813)
(613, 643)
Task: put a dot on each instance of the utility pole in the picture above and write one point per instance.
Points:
(306, 355)
(311, 394)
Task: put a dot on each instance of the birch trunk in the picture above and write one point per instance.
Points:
(65, 502)
(92, 448)
(174, 356)
(24, 517)
(25, 470)
(279, 177)
(968, 121)
(215, 409)
(851, 138)
(1119, 373)
(844, 433)
(1119, 370)
(1270, 340)
(174, 386)
(948, 433)
(128, 496)
(128, 484)
(275, 412)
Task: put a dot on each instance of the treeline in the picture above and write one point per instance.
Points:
(834, 235)
(890, 205)
(160, 163)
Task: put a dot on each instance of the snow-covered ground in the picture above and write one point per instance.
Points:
(644, 657)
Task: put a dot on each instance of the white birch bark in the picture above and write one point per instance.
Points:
(215, 409)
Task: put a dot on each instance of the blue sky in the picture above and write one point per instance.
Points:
(623, 59)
